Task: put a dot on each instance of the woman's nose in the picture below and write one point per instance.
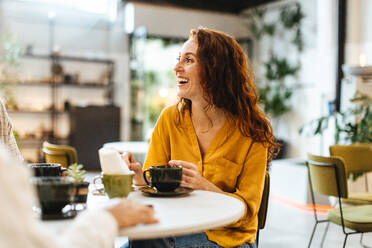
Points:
(178, 67)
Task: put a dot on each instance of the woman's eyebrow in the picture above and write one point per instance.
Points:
(190, 53)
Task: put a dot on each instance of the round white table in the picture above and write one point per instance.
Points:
(196, 212)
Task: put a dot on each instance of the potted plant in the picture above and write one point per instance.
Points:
(78, 174)
(277, 82)
(353, 125)
(10, 54)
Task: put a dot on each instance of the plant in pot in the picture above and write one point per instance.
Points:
(353, 125)
(278, 81)
(10, 53)
(78, 174)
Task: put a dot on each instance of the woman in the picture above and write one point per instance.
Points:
(216, 132)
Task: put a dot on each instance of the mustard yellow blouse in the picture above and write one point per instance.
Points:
(232, 162)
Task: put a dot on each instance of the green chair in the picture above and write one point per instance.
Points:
(60, 154)
(327, 176)
(262, 212)
(358, 159)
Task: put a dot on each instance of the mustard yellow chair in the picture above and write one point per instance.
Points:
(60, 154)
(358, 159)
(327, 176)
(262, 212)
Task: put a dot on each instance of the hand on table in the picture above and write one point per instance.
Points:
(134, 166)
(128, 213)
(192, 178)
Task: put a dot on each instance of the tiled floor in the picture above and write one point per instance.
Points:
(288, 224)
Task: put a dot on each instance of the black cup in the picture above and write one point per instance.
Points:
(54, 193)
(164, 178)
(47, 169)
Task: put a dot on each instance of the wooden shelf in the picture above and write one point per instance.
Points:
(32, 142)
(23, 111)
(70, 58)
(50, 84)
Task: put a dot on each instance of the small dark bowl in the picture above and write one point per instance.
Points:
(46, 169)
(54, 193)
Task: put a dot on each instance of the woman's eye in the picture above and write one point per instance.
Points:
(188, 60)
(178, 59)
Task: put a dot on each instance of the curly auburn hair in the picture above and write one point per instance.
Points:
(228, 84)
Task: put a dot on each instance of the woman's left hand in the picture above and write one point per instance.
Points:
(191, 178)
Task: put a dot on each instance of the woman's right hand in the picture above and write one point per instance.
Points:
(128, 213)
(134, 166)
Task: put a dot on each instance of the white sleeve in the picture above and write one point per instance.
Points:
(19, 226)
(6, 133)
(93, 229)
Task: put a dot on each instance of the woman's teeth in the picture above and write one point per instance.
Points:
(183, 81)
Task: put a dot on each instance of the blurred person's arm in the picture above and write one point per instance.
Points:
(20, 227)
(6, 133)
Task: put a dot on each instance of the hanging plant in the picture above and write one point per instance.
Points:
(273, 86)
(291, 18)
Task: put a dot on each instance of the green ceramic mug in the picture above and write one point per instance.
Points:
(115, 185)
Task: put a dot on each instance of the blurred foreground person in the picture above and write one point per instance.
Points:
(91, 229)
(217, 133)
(6, 133)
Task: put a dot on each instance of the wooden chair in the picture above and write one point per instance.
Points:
(327, 176)
(262, 212)
(358, 159)
(61, 154)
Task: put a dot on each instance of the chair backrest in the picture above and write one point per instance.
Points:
(357, 157)
(262, 212)
(328, 175)
(61, 154)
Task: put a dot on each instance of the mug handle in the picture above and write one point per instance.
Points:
(144, 176)
(101, 190)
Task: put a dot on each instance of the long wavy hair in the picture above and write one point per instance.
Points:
(228, 84)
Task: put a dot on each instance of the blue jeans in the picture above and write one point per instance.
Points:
(197, 240)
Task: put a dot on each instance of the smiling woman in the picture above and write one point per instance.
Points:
(216, 132)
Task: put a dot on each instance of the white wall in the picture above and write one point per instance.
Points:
(171, 21)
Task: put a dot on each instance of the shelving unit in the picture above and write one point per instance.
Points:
(56, 106)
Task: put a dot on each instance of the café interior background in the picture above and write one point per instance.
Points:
(101, 29)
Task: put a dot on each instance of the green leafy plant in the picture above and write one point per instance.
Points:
(291, 19)
(274, 85)
(76, 172)
(351, 126)
(10, 54)
(274, 92)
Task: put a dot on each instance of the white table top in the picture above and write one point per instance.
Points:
(195, 212)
